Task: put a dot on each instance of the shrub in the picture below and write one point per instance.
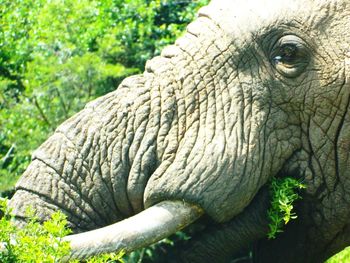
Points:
(35, 242)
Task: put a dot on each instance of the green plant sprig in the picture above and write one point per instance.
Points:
(284, 193)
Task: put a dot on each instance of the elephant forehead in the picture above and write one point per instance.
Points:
(253, 15)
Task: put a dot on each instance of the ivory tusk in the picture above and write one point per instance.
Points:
(140, 230)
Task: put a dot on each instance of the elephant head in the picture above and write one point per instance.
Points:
(253, 90)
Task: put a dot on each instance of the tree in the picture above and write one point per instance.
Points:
(57, 55)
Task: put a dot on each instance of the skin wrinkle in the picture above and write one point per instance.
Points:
(263, 135)
(334, 114)
(199, 182)
(140, 124)
(110, 146)
(177, 126)
(249, 130)
(191, 165)
(135, 188)
(192, 142)
(60, 172)
(245, 116)
(210, 131)
(133, 138)
(222, 98)
(325, 178)
(48, 200)
(216, 73)
(311, 153)
(240, 117)
(220, 122)
(337, 135)
(97, 169)
(111, 206)
(180, 106)
(54, 185)
(193, 89)
(167, 116)
(97, 180)
(97, 198)
(242, 124)
(334, 49)
(124, 159)
(217, 110)
(343, 82)
(325, 186)
(326, 130)
(170, 146)
(129, 154)
(324, 54)
(260, 153)
(192, 111)
(72, 185)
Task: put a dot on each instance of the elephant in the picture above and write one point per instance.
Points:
(254, 90)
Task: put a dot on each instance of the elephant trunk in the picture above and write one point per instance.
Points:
(145, 228)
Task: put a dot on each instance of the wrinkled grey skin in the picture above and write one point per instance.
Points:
(253, 90)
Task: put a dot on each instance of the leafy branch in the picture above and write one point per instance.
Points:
(284, 194)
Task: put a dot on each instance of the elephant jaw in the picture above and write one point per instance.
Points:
(145, 228)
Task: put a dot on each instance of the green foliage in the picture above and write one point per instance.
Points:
(284, 194)
(341, 257)
(57, 55)
(37, 242)
(34, 241)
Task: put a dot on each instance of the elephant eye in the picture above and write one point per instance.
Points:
(290, 56)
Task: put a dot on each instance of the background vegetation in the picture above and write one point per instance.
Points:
(39, 243)
(56, 55)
